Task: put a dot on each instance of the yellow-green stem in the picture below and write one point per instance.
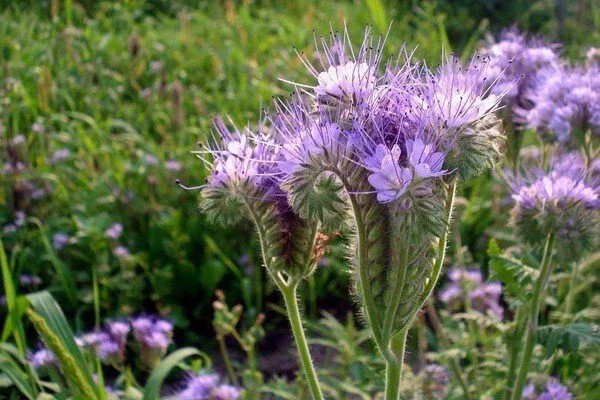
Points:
(532, 323)
(393, 368)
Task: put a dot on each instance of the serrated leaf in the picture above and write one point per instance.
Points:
(568, 337)
(515, 275)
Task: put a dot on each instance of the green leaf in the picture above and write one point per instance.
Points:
(568, 337)
(14, 316)
(155, 381)
(18, 377)
(45, 305)
(515, 275)
(377, 11)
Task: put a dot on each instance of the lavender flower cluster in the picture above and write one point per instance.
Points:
(553, 391)
(395, 130)
(564, 199)
(152, 336)
(515, 62)
(484, 297)
(435, 379)
(551, 97)
(208, 387)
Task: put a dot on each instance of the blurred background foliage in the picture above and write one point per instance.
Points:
(101, 102)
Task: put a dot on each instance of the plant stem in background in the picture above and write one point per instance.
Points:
(436, 323)
(227, 361)
(293, 312)
(532, 323)
(570, 300)
(514, 350)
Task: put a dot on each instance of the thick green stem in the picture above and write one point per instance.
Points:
(393, 376)
(291, 305)
(393, 368)
(532, 323)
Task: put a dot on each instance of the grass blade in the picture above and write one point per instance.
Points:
(155, 381)
(47, 308)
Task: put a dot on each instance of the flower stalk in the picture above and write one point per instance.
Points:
(532, 323)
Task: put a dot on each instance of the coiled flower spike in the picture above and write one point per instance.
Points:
(245, 181)
(390, 164)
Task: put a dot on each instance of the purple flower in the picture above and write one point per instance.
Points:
(555, 391)
(43, 358)
(226, 392)
(173, 165)
(484, 297)
(60, 155)
(565, 100)
(18, 140)
(60, 240)
(154, 335)
(529, 392)
(150, 159)
(30, 281)
(199, 387)
(122, 252)
(435, 380)
(114, 231)
(514, 63)
(389, 179)
(350, 82)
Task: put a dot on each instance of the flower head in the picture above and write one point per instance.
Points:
(484, 296)
(43, 358)
(564, 200)
(515, 61)
(435, 381)
(199, 387)
(564, 101)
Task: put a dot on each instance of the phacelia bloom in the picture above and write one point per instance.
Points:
(60, 155)
(114, 231)
(122, 252)
(484, 296)
(564, 200)
(153, 335)
(435, 380)
(200, 387)
(226, 392)
(30, 281)
(565, 102)
(552, 390)
(17, 140)
(514, 63)
(43, 358)
(150, 159)
(173, 165)
(347, 82)
(60, 240)
(555, 391)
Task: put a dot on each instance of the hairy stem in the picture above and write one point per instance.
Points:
(532, 323)
(291, 305)
(570, 301)
(393, 368)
